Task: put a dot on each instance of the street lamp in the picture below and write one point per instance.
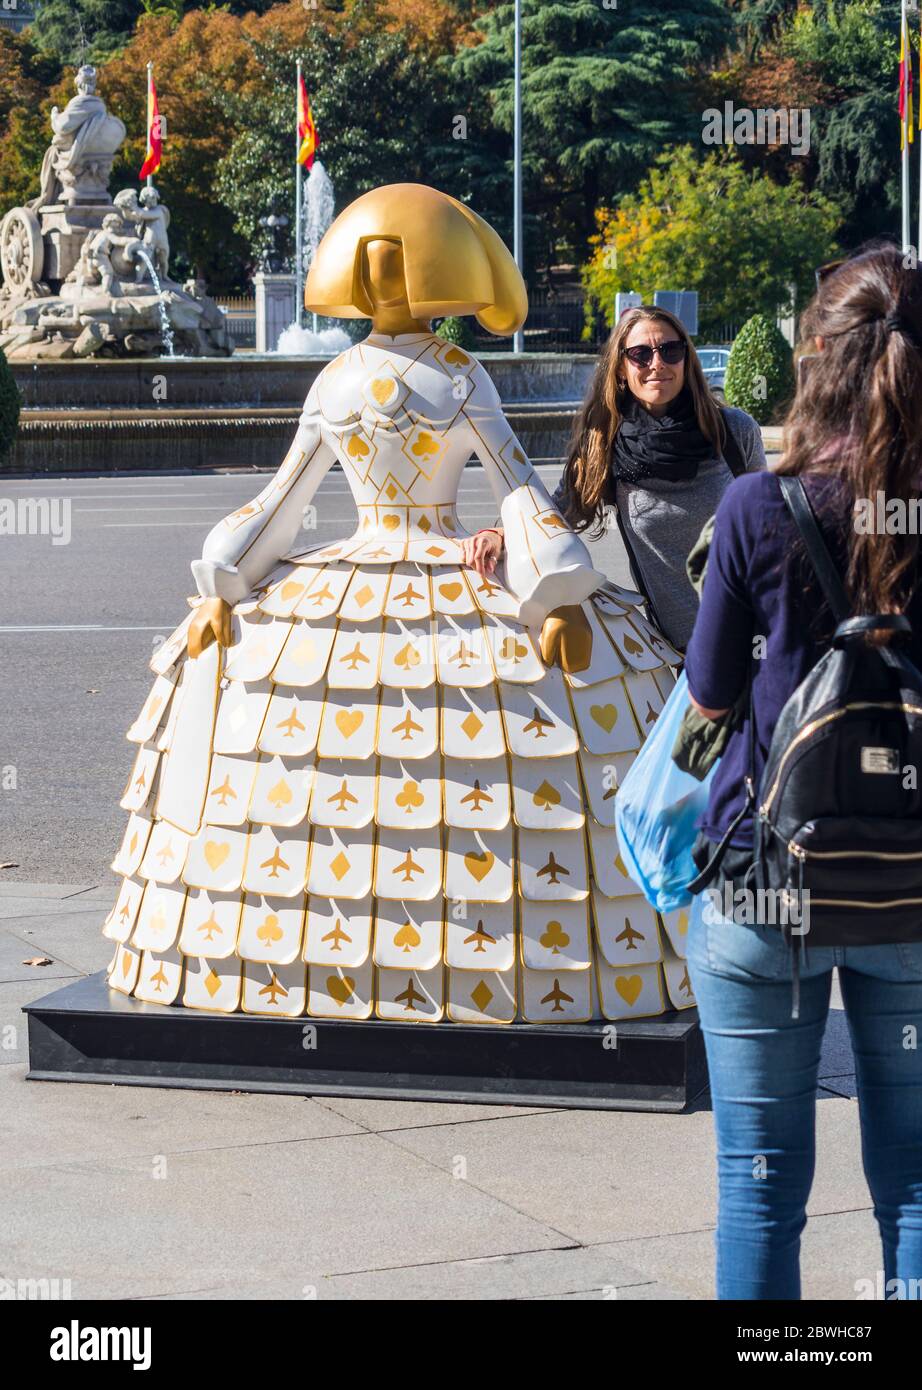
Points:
(273, 262)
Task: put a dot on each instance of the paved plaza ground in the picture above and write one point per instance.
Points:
(151, 1193)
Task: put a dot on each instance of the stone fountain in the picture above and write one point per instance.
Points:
(86, 275)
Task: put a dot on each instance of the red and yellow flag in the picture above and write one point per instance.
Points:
(307, 131)
(154, 135)
(907, 123)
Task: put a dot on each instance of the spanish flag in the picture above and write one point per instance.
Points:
(907, 124)
(154, 137)
(307, 131)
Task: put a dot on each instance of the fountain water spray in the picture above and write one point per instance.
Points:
(318, 213)
(166, 328)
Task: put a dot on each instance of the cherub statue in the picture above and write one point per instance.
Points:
(375, 777)
(154, 218)
(96, 255)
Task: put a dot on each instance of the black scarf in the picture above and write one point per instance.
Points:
(669, 446)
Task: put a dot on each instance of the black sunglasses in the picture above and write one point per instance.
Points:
(670, 352)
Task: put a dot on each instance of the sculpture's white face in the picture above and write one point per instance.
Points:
(86, 81)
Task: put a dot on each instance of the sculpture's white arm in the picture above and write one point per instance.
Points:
(244, 547)
(547, 565)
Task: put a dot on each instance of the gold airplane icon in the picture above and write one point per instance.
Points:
(343, 796)
(538, 723)
(630, 935)
(409, 596)
(337, 935)
(166, 853)
(650, 716)
(557, 997)
(140, 781)
(159, 979)
(275, 863)
(408, 867)
(409, 726)
(476, 796)
(125, 913)
(323, 595)
(480, 937)
(224, 791)
(464, 656)
(355, 656)
(552, 870)
(290, 724)
(273, 989)
(488, 588)
(407, 997)
(210, 927)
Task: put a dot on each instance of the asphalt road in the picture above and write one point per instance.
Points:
(78, 623)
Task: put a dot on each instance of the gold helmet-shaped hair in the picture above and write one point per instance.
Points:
(454, 262)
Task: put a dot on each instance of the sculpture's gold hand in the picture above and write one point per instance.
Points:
(210, 623)
(566, 638)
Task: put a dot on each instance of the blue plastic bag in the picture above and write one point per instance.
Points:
(656, 807)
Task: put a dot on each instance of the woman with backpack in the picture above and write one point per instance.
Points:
(652, 445)
(816, 798)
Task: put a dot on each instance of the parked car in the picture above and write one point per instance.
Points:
(714, 361)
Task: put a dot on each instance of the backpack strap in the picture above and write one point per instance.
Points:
(732, 452)
(795, 495)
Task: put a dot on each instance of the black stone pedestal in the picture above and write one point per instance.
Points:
(87, 1032)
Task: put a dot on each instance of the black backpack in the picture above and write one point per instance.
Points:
(839, 813)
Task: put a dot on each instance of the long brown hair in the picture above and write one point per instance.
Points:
(587, 468)
(857, 413)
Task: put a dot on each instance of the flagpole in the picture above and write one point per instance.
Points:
(150, 78)
(919, 240)
(518, 342)
(905, 69)
(299, 254)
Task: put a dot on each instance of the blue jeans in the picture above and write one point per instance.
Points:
(763, 1074)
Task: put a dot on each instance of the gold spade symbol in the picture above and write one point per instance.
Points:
(270, 930)
(546, 796)
(479, 864)
(554, 938)
(456, 358)
(633, 646)
(280, 795)
(407, 657)
(340, 989)
(410, 797)
(407, 937)
(357, 448)
(556, 522)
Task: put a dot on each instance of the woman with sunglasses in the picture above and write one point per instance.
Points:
(651, 447)
(853, 436)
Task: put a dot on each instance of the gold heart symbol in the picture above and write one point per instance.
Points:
(410, 796)
(632, 646)
(384, 389)
(425, 444)
(629, 987)
(292, 589)
(606, 716)
(216, 852)
(407, 937)
(546, 796)
(348, 720)
(357, 448)
(456, 358)
(479, 863)
(390, 523)
(451, 591)
(340, 989)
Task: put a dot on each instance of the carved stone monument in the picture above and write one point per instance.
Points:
(84, 275)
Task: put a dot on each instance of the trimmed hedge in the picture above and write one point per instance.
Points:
(456, 330)
(760, 372)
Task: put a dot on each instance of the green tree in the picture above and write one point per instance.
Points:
(25, 79)
(381, 112)
(760, 372)
(84, 30)
(743, 242)
(604, 90)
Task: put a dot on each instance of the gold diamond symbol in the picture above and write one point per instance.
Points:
(472, 725)
(364, 595)
(391, 492)
(340, 866)
(482, 995)
(425, 525)
(212, 982)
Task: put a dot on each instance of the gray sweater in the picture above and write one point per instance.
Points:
(662, 520)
